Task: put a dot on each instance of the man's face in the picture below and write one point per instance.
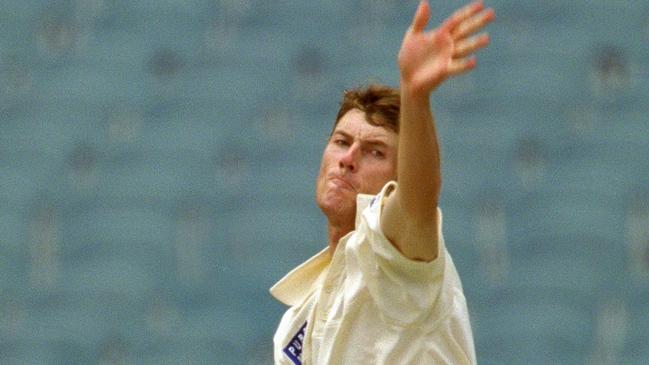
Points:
(359, 158)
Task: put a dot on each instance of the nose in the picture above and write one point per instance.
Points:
(349, 159)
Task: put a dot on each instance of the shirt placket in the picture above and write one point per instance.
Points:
(328, 293)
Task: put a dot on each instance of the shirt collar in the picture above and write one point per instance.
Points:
(296, 285)
(293, 288)
(362, 202)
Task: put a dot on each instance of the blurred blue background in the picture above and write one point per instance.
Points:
(158, 160)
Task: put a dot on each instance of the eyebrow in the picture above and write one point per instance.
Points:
(369, 141)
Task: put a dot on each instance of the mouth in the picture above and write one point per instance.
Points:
(342, 183)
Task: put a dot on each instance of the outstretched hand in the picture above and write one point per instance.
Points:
(427, 58)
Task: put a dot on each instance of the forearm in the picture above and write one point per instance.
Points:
(418, 166)
(426, 60)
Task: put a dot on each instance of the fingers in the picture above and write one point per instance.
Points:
(465, 22)
(462, 14)
(473, 24)
(461, 66)
(471, 45)
(421, 17)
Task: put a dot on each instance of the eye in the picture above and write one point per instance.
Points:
(377, 153)
(340, 142)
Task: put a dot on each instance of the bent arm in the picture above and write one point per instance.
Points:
(410, 217)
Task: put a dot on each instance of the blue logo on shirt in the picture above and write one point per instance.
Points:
(294, 348)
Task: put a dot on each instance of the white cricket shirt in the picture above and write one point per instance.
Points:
(369, 304)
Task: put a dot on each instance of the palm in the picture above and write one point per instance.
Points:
(426, 59)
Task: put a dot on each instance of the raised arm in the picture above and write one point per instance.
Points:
(426, 59)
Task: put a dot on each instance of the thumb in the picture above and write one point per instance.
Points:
(421, 17)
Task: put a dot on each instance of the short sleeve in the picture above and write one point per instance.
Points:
(405, 291)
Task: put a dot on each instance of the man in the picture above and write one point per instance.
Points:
(385, 290)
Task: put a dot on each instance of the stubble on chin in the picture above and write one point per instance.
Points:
(337, 206)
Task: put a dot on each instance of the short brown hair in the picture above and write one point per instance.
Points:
(380, 103)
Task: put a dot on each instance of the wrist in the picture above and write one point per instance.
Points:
(414, 95)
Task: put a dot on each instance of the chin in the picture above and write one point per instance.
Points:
(337, 205)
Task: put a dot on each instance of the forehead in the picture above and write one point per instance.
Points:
(355, 124)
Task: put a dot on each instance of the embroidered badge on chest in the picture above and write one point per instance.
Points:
(294, 348)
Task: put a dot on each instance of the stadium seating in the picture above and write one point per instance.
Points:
(159, 159)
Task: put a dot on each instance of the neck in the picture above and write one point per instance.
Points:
(336, 232)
